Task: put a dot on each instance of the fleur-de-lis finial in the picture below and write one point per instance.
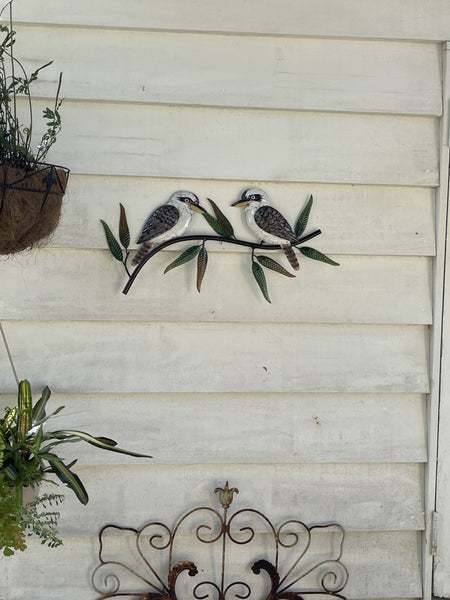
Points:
(226, 495)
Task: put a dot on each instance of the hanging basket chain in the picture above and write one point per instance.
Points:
(8, 352)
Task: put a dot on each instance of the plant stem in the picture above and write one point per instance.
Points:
(216, 238)
(19, 491)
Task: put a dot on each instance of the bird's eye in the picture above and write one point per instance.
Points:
(253, 197)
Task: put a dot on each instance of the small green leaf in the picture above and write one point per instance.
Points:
(302, 220)
(124, 232)
(184, 257)
(316, 255)
(10, 472)
(39, 407)
(113, 244)
(258, 273)
(222, 220)
(269, 263)
(202, 261)
(216, 225)
(47, 417)
(38, 440)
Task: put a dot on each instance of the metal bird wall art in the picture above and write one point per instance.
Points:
(168, 223)
(268, 223)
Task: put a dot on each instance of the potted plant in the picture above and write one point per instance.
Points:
(31, 190)
(27, 455)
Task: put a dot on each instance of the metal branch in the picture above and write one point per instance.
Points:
(205, 238)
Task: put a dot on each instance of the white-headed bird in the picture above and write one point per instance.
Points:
(267, 223)
(168, 221)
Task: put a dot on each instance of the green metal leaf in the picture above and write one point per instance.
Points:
(202, 261)
(258, 274)
(39, 407)
(124, 232)
(224, 223)
(269, 263)
(216, 225)
(113, 244)
(184, 257)
(69, 478)
(97, 441)
(316, 255)
(302, 220)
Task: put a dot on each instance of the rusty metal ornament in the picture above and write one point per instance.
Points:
(290, 562)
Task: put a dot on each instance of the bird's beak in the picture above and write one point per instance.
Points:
(197, 208)
(240, 202)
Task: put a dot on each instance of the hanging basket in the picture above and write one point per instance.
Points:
(30, 204)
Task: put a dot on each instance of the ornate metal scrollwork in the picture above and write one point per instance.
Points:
(241, 556)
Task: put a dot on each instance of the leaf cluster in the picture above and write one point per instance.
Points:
(269, 263)
(17, 520)
(27, 452)
(222, 226)
(15, 137)
(124, 237)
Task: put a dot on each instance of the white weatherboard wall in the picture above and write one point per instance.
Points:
(314, 406)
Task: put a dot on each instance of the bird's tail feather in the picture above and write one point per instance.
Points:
(143, 250)
(291, 256)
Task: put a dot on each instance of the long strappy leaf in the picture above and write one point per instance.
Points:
(69, 478)
(90, 439)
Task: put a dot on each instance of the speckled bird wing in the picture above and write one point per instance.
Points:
(164, 218)
(272, 221)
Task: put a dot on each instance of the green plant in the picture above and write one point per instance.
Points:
(15, 137)
(32, 518)
(27, 454)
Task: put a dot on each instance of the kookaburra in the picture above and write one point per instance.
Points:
(168, 221)
(267, 223)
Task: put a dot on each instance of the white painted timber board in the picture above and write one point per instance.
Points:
(65, 572)
(354, 219)
(436, 548)
(402, 19)
(255, 428)
(360, 290)
(214, 143)
(131, 357)
(199, 69)
(361, 497)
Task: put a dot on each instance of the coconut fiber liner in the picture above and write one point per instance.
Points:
(30, 204)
